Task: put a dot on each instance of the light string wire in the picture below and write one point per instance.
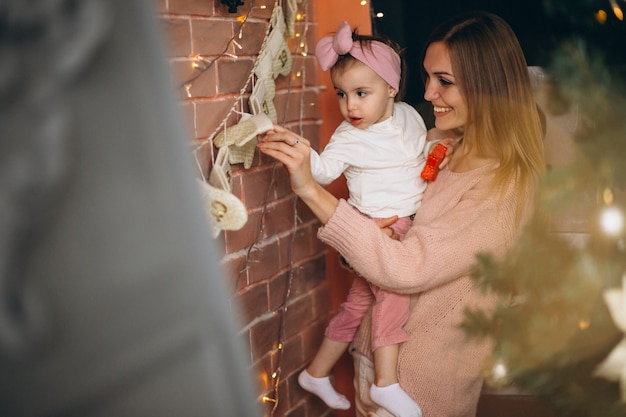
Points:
(276, 374)
(296, 219)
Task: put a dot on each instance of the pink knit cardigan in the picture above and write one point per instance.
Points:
(460, 216)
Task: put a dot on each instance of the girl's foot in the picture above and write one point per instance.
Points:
(324, 390)
(394, 399)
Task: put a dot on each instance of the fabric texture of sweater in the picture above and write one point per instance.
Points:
(460, 217)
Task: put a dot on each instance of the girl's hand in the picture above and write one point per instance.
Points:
(294, 153)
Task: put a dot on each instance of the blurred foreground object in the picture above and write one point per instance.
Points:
(112, 302)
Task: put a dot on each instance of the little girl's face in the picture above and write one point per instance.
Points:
(364, 98)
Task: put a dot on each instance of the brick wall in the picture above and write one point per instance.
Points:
(276, 264)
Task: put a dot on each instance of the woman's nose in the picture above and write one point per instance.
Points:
(430, 92)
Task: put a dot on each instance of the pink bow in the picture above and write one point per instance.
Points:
(381, 58)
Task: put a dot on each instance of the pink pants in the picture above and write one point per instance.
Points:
(389, 312)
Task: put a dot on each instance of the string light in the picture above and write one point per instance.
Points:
(363, 2)
(601, 16)
(617, 11)
(612, 221)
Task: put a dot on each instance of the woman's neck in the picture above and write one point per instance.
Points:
(466, 158)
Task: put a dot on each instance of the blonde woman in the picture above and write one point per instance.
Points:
(476, 78)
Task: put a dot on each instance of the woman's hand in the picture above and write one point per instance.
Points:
(295, 154)
(385, 224)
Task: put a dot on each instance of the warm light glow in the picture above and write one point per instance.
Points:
(299, 17)
(298, 74)
(618, 12)
(363, 2)
(301, 44)
(583, 324)
(298, 35)
(267, 399)
(188, 89)
(380, 14)
(499, 370)
(607, 196)
(612, 221)
(601, 16)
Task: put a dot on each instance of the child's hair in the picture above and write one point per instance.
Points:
(492, 76)
(345, 61)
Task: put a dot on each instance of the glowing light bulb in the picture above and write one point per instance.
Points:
(363, 2)
(601, 16)
(380, 14)
(612, 221)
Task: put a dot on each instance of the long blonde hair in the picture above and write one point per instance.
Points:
(503, 118)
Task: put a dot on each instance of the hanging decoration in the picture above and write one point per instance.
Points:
(239, 138)
(232, 5)
(236, 141)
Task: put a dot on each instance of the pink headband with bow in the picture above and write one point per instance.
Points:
(381, 58)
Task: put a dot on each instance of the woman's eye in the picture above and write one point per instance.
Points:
(361, 94)
(445, 83)
(340, 94)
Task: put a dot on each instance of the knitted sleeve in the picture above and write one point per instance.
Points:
(451, 227)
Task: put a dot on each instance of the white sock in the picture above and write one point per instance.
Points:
(395, 400)
(323, 389)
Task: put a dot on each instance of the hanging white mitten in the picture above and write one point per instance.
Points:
(239, 137)
(277, 44)
(261, 102)
(224, 210)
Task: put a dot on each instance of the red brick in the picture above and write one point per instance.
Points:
(263, 263)
(298, 311)
(255, 187)
(264, 336)
(262, 372)
(278, 291)
(251, 39)
(210, 113)
(160, 6)
(177, 35)
(196, 78)
(262, 9)
(193, 7)
(236, 273)
(210, 37)
(299, 105)
(254, 302)
(280, 218)
(237, 240)
(233, 75)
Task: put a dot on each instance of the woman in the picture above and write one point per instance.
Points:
(476, 77)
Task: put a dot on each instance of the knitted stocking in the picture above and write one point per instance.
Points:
(239, 137)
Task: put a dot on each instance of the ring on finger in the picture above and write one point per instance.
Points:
(296, 142)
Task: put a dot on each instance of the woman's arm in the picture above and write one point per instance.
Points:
(294, 153)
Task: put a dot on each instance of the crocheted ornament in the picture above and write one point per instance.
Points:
(261, 102)
(224, 211)
(277, 44)
(290, 17)
(239, 137)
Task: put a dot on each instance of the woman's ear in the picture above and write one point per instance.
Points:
(392, 92)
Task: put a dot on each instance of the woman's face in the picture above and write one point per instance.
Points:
(441, 89)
